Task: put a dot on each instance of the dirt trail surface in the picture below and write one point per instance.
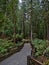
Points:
(19, 58)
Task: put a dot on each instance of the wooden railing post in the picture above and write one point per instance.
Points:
(31, 60)
(31, 52)
(28, 60)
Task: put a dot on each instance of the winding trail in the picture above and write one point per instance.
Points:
(19, 58)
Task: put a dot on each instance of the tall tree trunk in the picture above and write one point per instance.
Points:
(31, 21)
(47, 31)
(5, 11)
(23, 29)
(14, 31)
(14, 18)
(23, 25)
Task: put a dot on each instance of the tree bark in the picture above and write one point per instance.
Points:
(14, 19)
(31, 21)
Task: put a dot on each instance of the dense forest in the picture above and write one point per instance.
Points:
(23, 19)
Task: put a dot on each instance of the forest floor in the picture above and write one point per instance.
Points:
(19, 58)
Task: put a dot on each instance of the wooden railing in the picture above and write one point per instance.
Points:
(32, 61)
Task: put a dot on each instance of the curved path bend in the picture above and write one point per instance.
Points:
(19, 58)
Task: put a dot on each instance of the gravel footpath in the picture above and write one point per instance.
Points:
(19, 58)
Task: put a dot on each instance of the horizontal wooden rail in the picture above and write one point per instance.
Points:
(33, 60)
(36, 61)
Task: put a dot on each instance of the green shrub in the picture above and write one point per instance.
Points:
(46, 52)
(46, 63)
(19, 44)
(5, 45)
(3, 51)
(40, 46)
(19, 37)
